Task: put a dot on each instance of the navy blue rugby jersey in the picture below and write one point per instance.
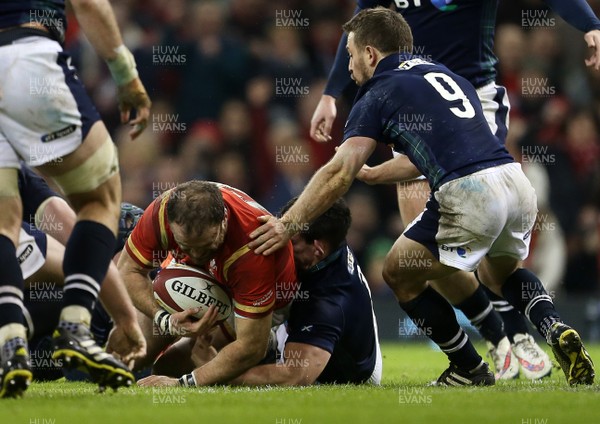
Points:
(430, 114)
(50, 13)
(335, 313)
(457, 33)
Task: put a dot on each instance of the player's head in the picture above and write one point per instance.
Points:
(130, 215)
(323, 236)
(197, 217)
(372, 35)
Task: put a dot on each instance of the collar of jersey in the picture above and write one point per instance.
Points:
(391, 62)
(329, 259)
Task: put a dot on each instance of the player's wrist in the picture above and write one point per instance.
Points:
(187, 380)
(290, 227)
(122, 68)
(368, 176)
(162, 320)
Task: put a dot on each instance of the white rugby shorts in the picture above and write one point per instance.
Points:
(490, 212)
(45, 111)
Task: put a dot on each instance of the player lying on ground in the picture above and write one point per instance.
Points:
(481, 210)
(206, 225)
(331, 333)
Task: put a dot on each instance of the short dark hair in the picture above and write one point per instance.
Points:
(382, 28)
(195, 205)
(332, 226)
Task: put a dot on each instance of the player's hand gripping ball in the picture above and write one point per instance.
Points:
(179, 287)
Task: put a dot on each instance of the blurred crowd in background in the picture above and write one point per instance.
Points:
(234, 84)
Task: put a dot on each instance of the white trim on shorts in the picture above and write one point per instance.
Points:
(375, 378)
(29, 255)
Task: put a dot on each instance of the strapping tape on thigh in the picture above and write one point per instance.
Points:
(97, 169)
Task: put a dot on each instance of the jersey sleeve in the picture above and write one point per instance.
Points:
(577, 13)
(363, 120)
(147, 244)
(252, 281)
(317, 324)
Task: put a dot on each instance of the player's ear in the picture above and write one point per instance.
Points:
(319, 249)
(372, 55)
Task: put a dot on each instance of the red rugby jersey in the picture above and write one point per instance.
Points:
(257, 284)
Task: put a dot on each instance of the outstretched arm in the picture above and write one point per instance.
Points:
(126, 338)
(302, 365)
(327, 185)
(234, 359)
(98, 22)
(339, 79)
(580, 15)
(395, 170)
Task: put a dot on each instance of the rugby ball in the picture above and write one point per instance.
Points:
(179, 287)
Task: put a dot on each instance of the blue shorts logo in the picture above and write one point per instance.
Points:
(444, 5)
(462, 252)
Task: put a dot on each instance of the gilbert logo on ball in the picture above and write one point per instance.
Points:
(179, 287)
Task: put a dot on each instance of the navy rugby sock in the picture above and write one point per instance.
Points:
(480, 311)
(87, 256)
(524, 290)
(11, 287)
(434, 316)
(514, 321)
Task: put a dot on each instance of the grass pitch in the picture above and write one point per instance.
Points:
(403, 398)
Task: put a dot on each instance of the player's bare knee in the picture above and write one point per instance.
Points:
(393, 274)
(402, 281)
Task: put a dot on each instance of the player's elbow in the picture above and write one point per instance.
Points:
(297, 376)
(338, 176)
(345, 180)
